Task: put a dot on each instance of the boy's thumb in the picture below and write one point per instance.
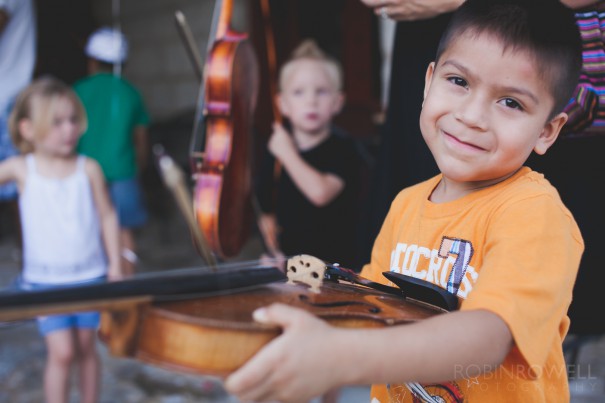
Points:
(275, 314)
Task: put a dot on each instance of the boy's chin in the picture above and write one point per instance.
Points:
(315, 131)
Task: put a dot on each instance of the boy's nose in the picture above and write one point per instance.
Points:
(472, 111)
(312, 98)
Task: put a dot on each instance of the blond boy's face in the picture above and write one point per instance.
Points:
(309, 97)
(485, 110)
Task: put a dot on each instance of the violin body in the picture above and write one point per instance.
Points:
(215, 335)
(223, 188)
(201, 321)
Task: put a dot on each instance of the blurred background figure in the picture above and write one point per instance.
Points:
(311, 206)
(70, 228)
(17, 60)
(117, 135)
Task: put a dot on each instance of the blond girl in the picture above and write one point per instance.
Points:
(70, 229)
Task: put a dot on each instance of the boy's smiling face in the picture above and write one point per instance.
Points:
(485, 110)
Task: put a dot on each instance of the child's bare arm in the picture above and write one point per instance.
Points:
(107, 215)
(267, 223)
(311, 357)
(318, 187)
(12, 169)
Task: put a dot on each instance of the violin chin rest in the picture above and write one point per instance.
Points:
(423, 291)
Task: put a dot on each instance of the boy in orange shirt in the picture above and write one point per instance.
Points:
(487, 229)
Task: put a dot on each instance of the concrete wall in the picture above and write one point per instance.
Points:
(158, 64)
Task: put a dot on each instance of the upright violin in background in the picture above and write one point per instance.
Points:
(221, 145)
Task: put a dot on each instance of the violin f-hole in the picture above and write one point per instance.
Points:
(371, 307)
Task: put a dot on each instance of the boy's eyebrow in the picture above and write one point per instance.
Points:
(509, 89)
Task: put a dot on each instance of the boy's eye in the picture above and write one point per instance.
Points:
(458, 81)
(511, 103)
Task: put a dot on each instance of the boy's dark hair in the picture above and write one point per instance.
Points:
(545, 28)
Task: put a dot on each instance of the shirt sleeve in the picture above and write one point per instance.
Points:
(532, 254)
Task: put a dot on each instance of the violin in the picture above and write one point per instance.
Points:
(201, 321)
(221, 145)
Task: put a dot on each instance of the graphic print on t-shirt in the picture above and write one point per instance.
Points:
(464, 251)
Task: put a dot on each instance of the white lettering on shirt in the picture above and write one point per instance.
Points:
(424, 263)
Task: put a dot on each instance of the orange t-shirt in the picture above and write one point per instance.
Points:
(513, 249)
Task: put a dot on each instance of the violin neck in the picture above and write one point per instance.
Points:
(150, 287)
(224, 8)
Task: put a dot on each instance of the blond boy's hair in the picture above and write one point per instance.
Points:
(38, 103)
(308, 50)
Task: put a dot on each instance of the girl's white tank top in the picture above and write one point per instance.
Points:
(61, 232)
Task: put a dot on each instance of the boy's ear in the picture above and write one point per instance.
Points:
(550, 133)
(339, 102)
(428, 78)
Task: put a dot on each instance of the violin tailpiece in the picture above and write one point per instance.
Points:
(306, 269)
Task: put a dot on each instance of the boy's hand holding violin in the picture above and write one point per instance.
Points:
(281, 143)
(274, 373)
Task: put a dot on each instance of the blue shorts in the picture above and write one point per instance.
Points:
(75, 320)
(128, 201)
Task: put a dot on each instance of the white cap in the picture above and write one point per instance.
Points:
(107, 45)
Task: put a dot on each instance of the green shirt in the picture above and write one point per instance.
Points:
(114, 108)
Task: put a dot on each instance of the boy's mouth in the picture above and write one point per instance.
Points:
(460, 143)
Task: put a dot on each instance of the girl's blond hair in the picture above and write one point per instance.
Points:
(308, 50)
(38, 104)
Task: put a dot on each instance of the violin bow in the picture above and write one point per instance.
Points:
(190, 46)
(174, 178)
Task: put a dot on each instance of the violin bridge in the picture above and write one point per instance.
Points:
(306, 269)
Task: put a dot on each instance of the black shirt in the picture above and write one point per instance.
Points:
(327, 232)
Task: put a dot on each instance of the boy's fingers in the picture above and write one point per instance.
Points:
(251, 382)
(277, 126)
(254, 380)
(278, 314)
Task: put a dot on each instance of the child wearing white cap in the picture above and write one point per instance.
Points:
(117, 131)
